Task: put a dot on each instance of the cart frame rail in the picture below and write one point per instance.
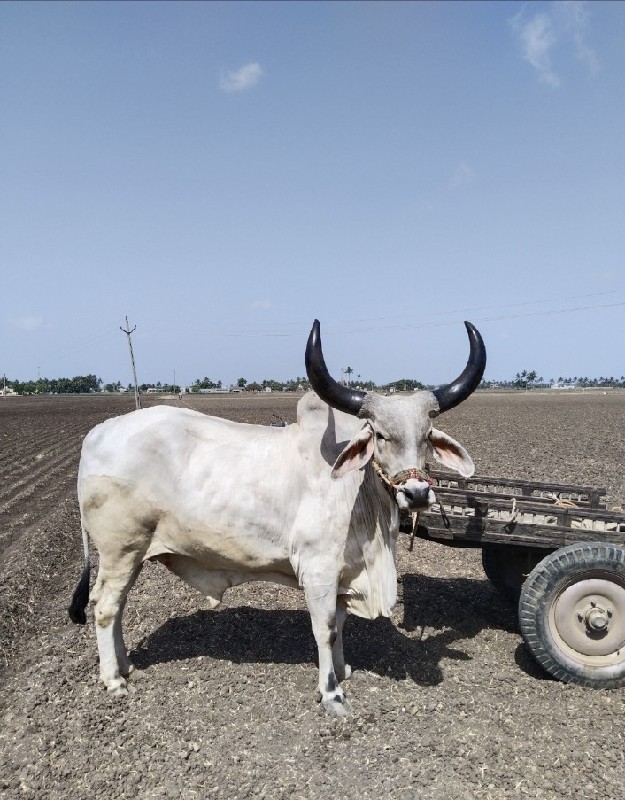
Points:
(471, 512)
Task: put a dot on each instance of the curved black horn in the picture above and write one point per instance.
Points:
(340, 397)
(451, 394)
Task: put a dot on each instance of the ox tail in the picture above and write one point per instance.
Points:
(80, 598)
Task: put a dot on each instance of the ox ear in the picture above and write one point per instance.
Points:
(357, 453)
(449, 452)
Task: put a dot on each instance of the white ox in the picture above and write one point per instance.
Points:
(221, 503)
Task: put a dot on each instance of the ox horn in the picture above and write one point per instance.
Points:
(340, 397)
(453, 393)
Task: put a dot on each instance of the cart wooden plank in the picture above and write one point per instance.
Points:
(482, 510)
(515, 487)
(469, 531)
(546, 498)
(476, 505)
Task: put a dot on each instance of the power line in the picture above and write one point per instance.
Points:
(340, 327)
(79, 345)
(395, 316)
(368, 324)
(473, 309)
(500, 317)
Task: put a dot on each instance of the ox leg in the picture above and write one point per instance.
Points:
(322, 605)
(109, 596)
(125, 664)
(343, 671)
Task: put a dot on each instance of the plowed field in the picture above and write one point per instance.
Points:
(447, 703)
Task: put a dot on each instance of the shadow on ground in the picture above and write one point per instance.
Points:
(438, 614)
(526, 662)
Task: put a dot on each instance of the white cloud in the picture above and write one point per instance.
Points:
(241, 79)
(538, 37)
(27, 323)
(574, 17)
(543, 36)
(463, 175)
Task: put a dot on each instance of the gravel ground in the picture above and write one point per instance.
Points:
(447, 702)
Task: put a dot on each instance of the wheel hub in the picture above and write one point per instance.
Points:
(588, 617)
(597, 619)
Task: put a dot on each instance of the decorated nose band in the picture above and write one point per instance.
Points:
(417, 474)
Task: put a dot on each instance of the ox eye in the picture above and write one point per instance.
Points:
(380, 437)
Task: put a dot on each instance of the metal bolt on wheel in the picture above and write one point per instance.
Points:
(572, 614)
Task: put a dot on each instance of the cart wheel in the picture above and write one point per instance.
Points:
(507, 566)
(572, 614)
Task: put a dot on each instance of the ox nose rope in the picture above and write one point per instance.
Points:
(393, 484)
(418, 474)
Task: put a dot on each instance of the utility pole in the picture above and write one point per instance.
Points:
(127, 331)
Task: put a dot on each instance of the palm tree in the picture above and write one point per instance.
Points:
(348, 371)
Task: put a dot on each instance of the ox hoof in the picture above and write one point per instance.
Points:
(127, 670)
(117, 688)
(336, 706)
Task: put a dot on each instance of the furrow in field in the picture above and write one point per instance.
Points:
(22, 452)
(29, 477)
(29, 500)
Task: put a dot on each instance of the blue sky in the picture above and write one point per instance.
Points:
(223, 173)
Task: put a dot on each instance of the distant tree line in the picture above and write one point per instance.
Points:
(590, 383)
(88, 384)
(166, 388)
(80, 384)
(529, 379)
(204, 383)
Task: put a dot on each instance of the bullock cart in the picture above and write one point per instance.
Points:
(553, 549)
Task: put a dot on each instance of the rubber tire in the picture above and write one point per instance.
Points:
(547, 581)
(507, 567)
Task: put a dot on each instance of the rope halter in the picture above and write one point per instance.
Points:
(394, 483)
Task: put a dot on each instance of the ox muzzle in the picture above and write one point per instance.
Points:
(411, 488)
